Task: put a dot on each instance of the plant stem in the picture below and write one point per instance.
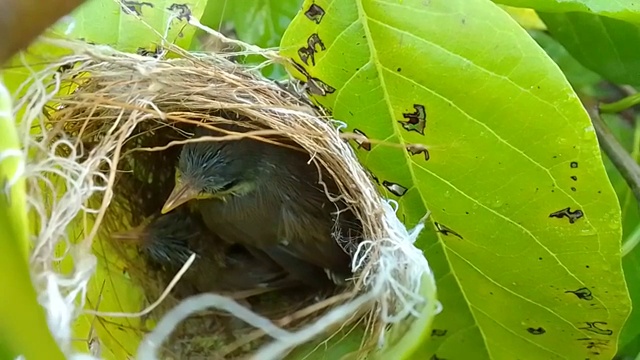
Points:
(626, 165)
(621, 105)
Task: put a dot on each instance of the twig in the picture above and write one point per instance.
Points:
(621, 105)
(625, 164)
(632, 241)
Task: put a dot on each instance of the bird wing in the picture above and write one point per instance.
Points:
(306, 233)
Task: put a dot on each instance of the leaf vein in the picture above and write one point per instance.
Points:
(513, 292)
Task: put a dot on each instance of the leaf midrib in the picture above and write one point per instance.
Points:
(376, 62)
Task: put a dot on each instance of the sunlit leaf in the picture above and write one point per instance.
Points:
(527, 258)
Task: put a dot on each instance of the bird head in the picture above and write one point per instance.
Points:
(165, 238)
(215, 169)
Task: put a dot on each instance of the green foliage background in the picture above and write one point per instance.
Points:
(507, 137)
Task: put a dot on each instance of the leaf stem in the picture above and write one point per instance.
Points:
(631, 242)
(621, 105)
(626, 165)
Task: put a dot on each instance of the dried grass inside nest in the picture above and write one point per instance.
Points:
(145, 107)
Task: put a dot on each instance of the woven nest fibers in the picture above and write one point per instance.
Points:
(115, 126)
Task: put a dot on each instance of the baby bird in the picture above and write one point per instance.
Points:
(268, 198)
(169, 240)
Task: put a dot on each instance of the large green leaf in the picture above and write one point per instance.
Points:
(628, 10)
(527, 257)
(600, 43)
(22, 319)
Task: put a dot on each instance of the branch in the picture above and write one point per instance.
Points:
(626, 165)
(21, 21)
(621, 105)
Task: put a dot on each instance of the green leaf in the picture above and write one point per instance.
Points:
(261, 22)
(107, 22)
(257, 22)
(527, 18)
(510, 148)
(599, 43)
(627, 10)
(22, 320)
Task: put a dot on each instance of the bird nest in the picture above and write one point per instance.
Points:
(104, 129)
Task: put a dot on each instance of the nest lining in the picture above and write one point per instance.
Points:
(123, 111)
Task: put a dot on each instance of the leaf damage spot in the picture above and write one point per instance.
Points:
(574, 164)
(314, 13)
(314, 85)
(416, 121)
(438, 332)
(373, 177)
(573, 216)
(66, 67)
(595, 327)
(446, 231)
(182, 11)
(362, 140)
(150, 53)
(582, 293)
(574, 178)
(536, 331)
(417, 149)
(595, 346)
(309, 52)
(395, 189)
(134, 6)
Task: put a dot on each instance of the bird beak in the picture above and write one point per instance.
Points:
(181, 193)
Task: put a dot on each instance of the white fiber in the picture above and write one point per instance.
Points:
(58, 188)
